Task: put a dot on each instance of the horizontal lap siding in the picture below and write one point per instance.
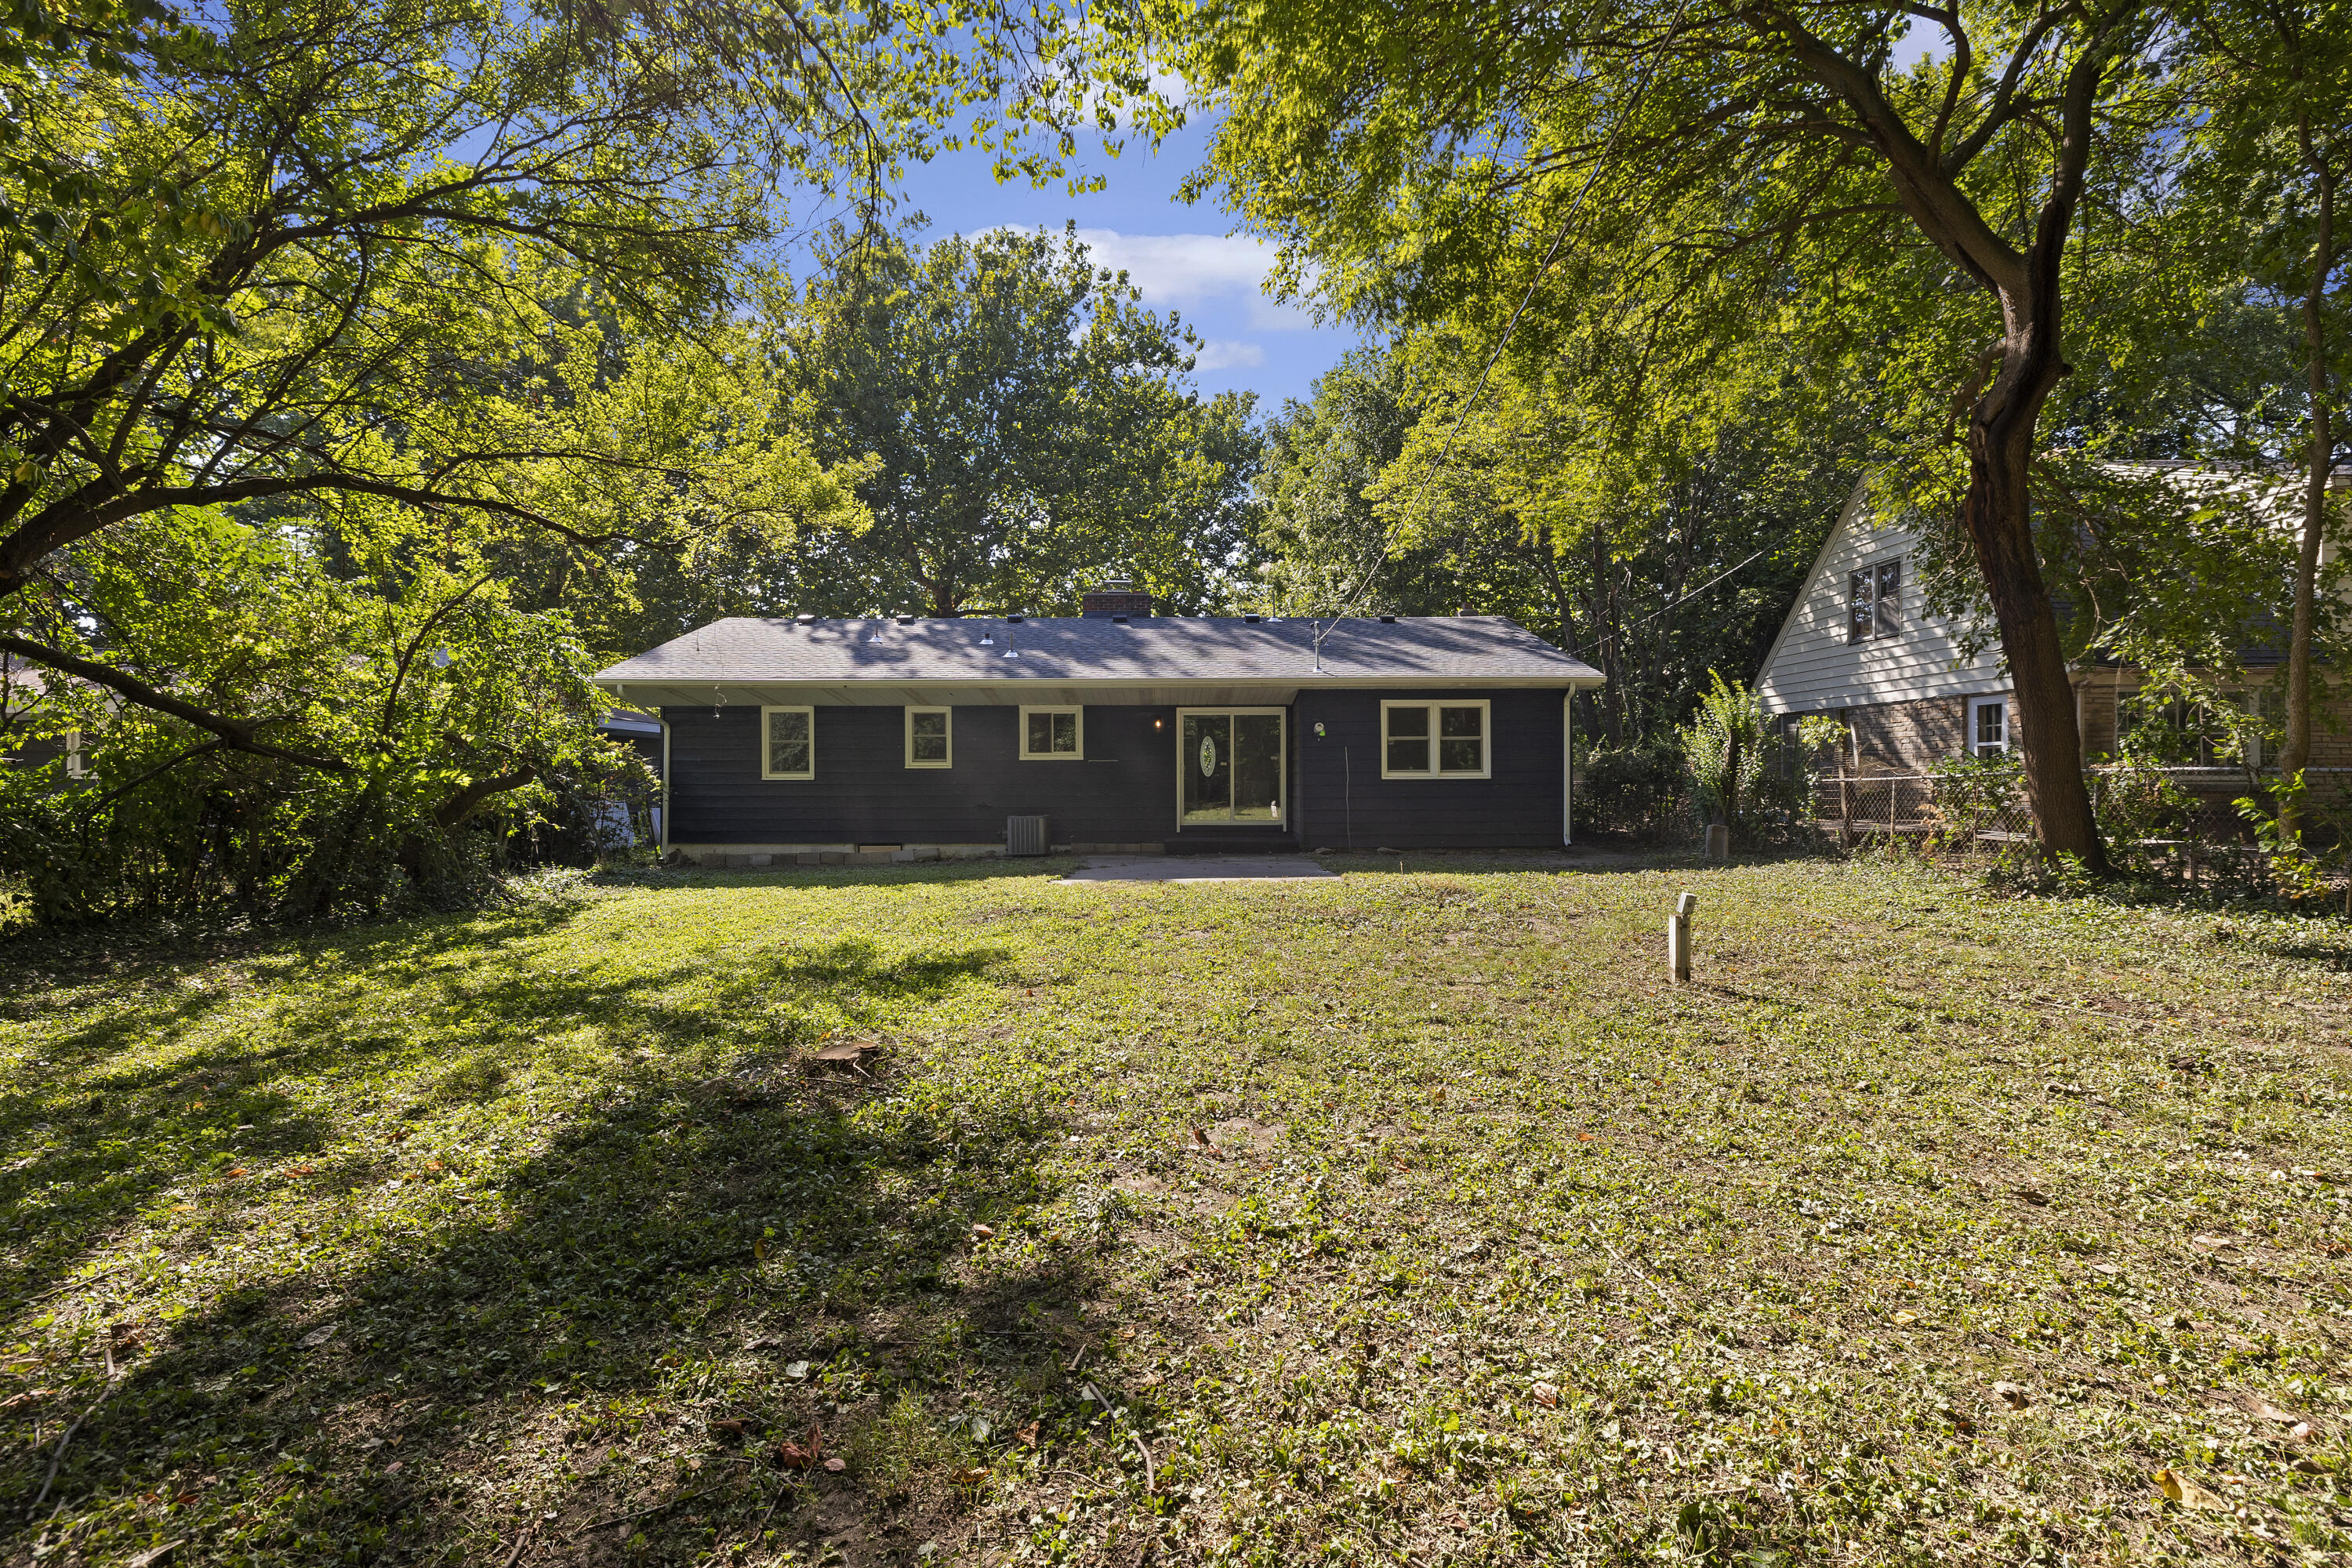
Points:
(863, 793)
(1343, 797)
(1814, 669)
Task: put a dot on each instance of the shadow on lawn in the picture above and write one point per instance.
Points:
(108, 1142)
(572, 1313)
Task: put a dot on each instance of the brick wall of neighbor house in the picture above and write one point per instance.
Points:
(1909, 737)
(2105, 692)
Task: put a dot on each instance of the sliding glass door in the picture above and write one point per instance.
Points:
(1229, 765)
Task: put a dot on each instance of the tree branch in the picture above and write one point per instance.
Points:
(235, 734)
(90, 807)
(462, 804)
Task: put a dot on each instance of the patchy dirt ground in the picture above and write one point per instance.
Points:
(1403, 1217)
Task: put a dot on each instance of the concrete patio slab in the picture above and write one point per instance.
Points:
(1197, 869)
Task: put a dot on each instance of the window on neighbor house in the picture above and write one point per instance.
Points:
(929, 738)
(789, 745)
(1433, 740)
(1989, 727)
(1053, 734)
(1785, 758)
(1874, 602)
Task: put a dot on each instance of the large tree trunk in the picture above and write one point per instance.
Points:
(2294, 755)
(1998, 515)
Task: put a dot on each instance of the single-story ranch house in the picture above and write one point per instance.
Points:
(1114, 731)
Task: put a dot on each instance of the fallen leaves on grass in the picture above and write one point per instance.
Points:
(2012, 1395)
(799, 1456)
(2179, 1489)
(1547, 1396)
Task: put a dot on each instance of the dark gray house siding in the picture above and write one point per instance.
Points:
(31, 753)
(1344, 800)
(1124, 792)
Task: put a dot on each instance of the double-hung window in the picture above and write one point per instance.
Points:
(930, 738)
(787, 743)
(1874, 602)
(1053, 734)
(1989, 727)
(1435, 739)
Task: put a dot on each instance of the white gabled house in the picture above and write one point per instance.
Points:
(1859, 644)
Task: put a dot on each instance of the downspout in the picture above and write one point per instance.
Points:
(1568, 766)
(662, 827)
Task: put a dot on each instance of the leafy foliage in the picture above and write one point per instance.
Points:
(426, 699)
(1028, 427)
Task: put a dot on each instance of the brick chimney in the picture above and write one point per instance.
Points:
(1115, 598)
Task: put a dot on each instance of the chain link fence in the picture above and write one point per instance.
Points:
(2183, 820)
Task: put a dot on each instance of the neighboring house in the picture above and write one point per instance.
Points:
(642, 733)
(23, 685)
(1859, 644)
(920, 738)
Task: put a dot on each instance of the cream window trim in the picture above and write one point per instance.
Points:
(1078, 719)
(1433, 738)
(947, 728)
(76, 756)
(768, 743)
(1981, 744)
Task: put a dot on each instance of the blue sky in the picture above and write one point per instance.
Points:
(1182, 258)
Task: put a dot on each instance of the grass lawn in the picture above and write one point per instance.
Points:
(1405, 1217)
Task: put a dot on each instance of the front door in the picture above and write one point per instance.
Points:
(1229, 766)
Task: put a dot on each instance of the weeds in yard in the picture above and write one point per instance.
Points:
(1397, 1217)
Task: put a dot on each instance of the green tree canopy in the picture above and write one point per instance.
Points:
(1031, 427)
(1450, 163)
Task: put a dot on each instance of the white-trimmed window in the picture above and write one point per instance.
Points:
(787, 743)
(1989, 726)
(1053, 734)
(1435, 739)
(930, 737)
(1873, 598)
(76, 756)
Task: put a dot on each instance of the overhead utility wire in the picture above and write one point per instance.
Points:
(1641, 91)
(1686, 598)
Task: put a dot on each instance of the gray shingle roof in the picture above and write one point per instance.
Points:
(1470, 650)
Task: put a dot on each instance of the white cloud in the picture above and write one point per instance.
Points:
(1218, 353)
(1186, 269)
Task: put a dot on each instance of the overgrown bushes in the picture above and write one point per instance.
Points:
(374, 746)
(1725, 764)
